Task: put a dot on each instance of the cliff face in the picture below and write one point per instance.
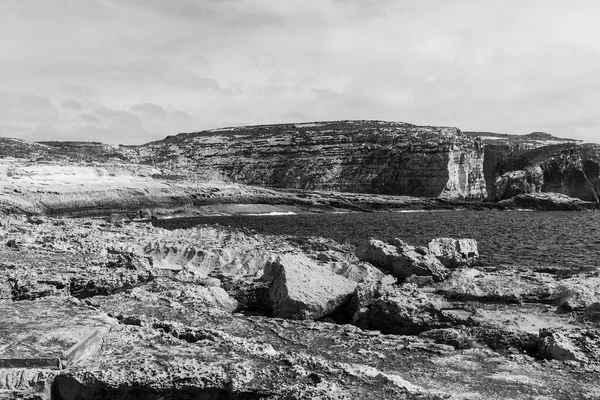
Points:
(498, 148)
(349, 156)
(573, 170)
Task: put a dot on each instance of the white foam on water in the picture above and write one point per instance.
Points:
(274, 213)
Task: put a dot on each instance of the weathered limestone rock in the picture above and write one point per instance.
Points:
(548, 202)
(569, 345)
(302, 289)
(578, 293)
(570, 169)
(402, 310)
(401, 259)
(506, 286)
(592, 312)
(348, 156)
(454, 252)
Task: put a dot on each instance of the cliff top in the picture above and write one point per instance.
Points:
(534, 138)
(345, 127)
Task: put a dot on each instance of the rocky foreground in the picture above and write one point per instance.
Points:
(92, 309)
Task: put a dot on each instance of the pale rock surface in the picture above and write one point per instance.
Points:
(454, 252)
(302, 289)
(401, 259)
(507, 286)
(581, 344)
(577, 293)
(403, 310)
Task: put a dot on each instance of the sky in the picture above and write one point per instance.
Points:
(134, 71)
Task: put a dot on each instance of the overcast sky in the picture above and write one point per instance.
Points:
(132, 71)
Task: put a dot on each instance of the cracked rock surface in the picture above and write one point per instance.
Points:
(220, 313)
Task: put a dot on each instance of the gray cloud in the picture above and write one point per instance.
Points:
(150, 110)
(72, 104)
(25, 107)
(88, 118)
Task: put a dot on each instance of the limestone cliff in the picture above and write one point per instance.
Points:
(573, 170)
(348, 156)
(498, 148)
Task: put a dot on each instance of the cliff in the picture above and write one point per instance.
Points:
(572, 170)
(357, 165)
(348, 156)
(500, 147)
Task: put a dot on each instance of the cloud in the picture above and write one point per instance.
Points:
(131, 70)
(72, 104)
(149, 110)
(89, 118)
(25, 107)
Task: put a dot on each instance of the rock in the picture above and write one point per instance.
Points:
(458, 338)
(302, 289)
(569, 345)
(487, 336)
(578, 293)
(505, 152)
(454, 252)
(592, 312)
(507, 286)
(570, 169)
(548, 202)
(347, 156)
(404, 310)
(400, 259)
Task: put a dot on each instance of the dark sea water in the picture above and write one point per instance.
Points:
(535, 239)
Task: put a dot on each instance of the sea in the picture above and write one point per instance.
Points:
(536, 239)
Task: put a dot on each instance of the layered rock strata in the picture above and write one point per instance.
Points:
(347, 156)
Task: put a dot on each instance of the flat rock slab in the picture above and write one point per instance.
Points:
(52, 332)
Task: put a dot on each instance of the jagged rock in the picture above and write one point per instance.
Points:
(454, 252)
(569, 345)
(547, 202)
(403, 310)
(401, 259)
(493, 337)
(568, 168)
(578, 293)
(505, 286)
(592, 312)
(302, 289)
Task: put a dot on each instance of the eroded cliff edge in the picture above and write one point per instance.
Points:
(356, 165)
(348, 156)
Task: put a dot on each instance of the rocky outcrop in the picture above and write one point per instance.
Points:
(547, 202)
(581, 345)
(572, 170)
(500, 147)
(454, 252)
(403, 310)
(401, 259)
(175, 314)
(301, 289)
(348, 156)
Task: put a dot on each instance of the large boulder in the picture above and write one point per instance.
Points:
(454, 252)
(578, 293)
(569, 345)
(401, 259)
(300, 288)
(403, 310)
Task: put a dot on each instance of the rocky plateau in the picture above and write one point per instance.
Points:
(94, 309)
